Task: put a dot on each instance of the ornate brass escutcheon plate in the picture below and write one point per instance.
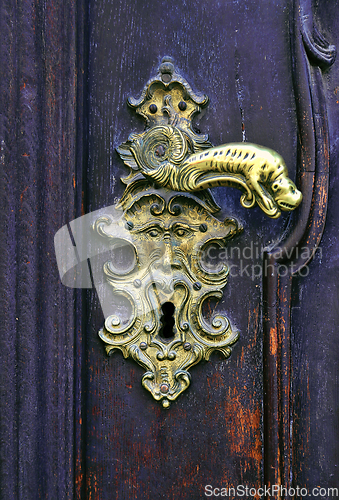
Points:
(167, 225)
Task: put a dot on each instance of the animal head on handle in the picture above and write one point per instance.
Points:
(171, 154)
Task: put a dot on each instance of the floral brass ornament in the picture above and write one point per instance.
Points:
(168, 222)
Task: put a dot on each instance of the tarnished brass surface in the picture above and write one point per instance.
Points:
(168, 235)
(172, 155)
(168, 223)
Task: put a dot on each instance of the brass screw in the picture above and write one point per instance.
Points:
(115, 321)
(164, 388)
(176, 209)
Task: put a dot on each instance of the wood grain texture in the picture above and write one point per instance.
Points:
(213, 433)
(38, 83)
(74, 423)
(300, 242)
(315, 317)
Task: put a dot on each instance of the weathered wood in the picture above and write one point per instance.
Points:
(299, 245)
(76, 424)
(212, 434)
(38, 196)
(315, 319)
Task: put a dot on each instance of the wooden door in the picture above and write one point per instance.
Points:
(76, 423)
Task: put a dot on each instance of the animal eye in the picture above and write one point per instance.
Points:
(182, 105)
(275, 187)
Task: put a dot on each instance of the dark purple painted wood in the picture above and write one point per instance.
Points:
(73, 423)
(38, 195)
(310, 54)
(315, 316)
(213, 433)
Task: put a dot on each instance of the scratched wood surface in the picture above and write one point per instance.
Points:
(213, 433)
(74, 423)
(315, 318)
(39, 194)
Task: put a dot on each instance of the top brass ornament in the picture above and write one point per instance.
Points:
(168, 221)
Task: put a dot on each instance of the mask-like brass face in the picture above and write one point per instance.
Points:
(167, 240)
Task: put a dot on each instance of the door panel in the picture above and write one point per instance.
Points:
(38, 195)
(213, 433)
(78, 424)
(315, 390)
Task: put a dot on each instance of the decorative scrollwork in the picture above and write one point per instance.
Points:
(168, 223)
(169, 153)
(167, 245)
(159, 146)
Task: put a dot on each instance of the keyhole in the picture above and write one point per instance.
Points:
(167, 320)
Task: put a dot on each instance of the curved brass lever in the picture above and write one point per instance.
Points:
(170, 153)
(162, 155)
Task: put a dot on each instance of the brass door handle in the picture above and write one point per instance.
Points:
(164, 226)
(169, 213)
(171, 154)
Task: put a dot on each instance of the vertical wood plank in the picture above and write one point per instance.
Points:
(38, 146)
(213, 433)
